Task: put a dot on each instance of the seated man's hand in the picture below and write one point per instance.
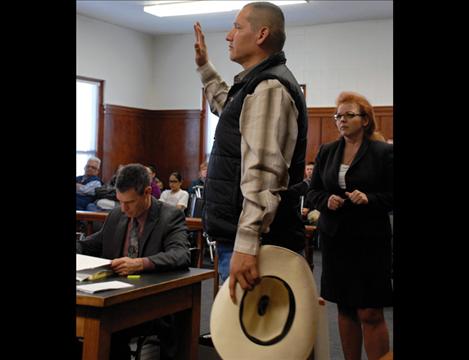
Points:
(243, 269)
(125, 265)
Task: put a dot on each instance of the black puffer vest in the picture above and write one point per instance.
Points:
(223, 197)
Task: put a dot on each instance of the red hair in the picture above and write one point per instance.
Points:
(351, 97)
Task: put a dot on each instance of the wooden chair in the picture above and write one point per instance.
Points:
(89, 217)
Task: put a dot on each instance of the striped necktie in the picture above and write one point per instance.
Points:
(133, 240)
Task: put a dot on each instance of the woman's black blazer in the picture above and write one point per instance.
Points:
(371, 172)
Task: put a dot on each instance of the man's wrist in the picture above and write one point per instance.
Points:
(147, 264)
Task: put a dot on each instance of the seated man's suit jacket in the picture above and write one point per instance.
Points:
(164, 238)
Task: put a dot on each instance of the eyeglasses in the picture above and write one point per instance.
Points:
(348, 115)
(91, 167)
(173, 181)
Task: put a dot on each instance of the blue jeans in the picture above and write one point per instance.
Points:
(224, 251)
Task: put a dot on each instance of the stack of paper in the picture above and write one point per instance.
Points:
(102, 286)
(92, 268)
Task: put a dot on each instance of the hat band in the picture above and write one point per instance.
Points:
(262, 306)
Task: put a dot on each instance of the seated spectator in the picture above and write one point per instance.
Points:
(87, 183)
(155, 189)
(153, 239)
(175, 196)
(200, 182)
(160, 184)
(106, 199)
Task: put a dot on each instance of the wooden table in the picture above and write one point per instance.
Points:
(195, 224)
(154, 295)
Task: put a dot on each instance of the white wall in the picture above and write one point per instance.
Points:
(120, 56)
(355, 56)
(328, 58)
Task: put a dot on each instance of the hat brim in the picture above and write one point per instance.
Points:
(227, 335)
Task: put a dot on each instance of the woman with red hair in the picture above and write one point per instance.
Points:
(352, 187)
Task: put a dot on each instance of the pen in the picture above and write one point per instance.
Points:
(133, 276)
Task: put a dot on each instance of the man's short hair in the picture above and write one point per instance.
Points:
(133, 176)
(270, 15)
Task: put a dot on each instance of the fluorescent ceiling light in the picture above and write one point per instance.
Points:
(178, 8)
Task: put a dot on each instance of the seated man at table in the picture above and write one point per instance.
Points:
(142, 235)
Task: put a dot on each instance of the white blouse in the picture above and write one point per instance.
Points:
(179, 198)
(342, 170)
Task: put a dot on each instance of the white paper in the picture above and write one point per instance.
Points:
(90, 262)
(102, 286)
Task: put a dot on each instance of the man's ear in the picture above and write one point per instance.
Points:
(147, 190)
(262, 35)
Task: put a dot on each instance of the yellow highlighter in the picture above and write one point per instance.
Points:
(133, 276)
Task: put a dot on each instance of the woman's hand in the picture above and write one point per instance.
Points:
(357, 197)
(335, 202)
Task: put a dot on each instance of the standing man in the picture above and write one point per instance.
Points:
(259, 147)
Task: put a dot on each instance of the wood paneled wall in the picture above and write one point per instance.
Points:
(172, 139)
(167, 139)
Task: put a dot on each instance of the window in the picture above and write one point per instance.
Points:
(88, 102)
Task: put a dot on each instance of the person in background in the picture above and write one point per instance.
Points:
(352, 187)
(308, 172)
(87, 183)
(259, 146)
(106, 199)
(160, 244)
(155, 189)
(175, 196)
(302, 188)
(160, 184)
(200, 182)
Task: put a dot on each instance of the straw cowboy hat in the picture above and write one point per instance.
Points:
(277, 320)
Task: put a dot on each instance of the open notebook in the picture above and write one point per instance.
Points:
(92, 268)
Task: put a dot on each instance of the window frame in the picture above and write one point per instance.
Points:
(101, 112)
